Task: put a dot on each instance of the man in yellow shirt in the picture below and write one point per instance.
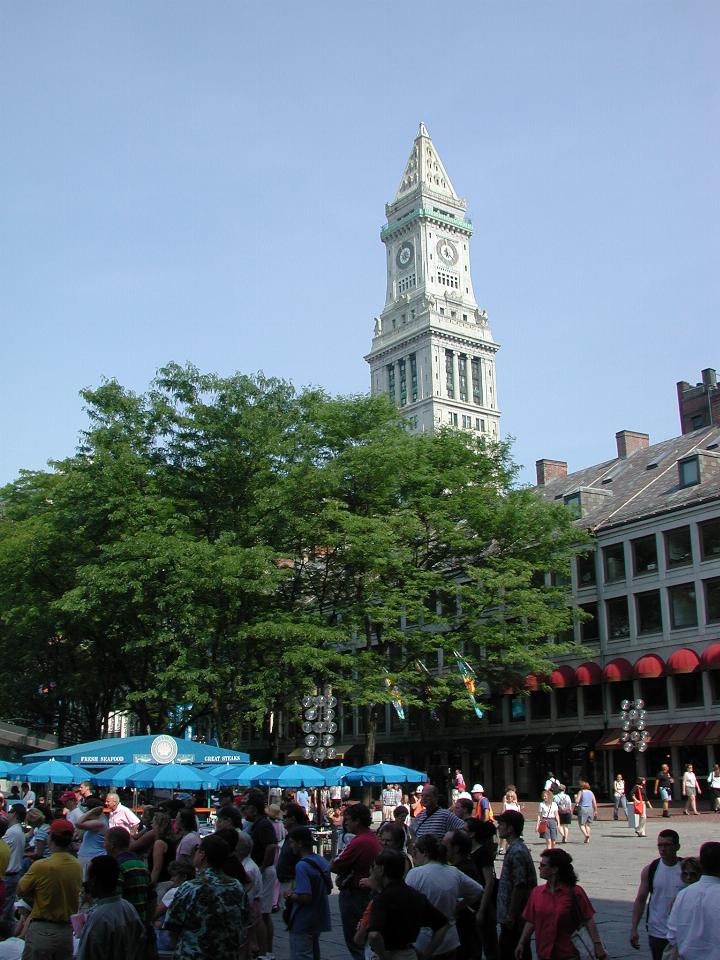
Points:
(53, 885)
(4, 849)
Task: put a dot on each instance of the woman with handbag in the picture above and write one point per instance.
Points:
(557, 911)
(640, 804)
(548, 820)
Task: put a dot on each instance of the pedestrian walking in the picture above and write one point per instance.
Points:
(554, 909)
(691, 790)
(517, 881)
(548, 819)
(714, 785)
(640, 802)
(663, 788)
(619, 798)
(660, 881)
(352, 866)
(586, 809)
(309, 907)
(693, 921)
(564, 805)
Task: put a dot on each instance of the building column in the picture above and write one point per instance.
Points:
(456, 374)
(396, 366)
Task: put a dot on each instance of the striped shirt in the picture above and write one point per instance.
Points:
(435, 824)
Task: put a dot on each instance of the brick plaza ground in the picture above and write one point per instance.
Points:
(608, 869)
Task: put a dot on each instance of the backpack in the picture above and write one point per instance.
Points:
(565, 804)
(555, 786)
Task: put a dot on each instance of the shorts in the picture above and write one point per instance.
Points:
(565, 819)
(550, 829)
(690, 791)
(585, 816)
(269, 876)
(664, 794)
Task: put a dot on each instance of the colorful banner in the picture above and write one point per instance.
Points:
(470, 680)
(397, 701)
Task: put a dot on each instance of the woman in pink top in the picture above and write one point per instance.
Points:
(186, 829)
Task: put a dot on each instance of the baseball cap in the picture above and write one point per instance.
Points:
(478, 788)
(60, 826)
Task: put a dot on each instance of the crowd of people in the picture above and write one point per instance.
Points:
(89, 876)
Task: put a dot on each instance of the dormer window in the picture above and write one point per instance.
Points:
(689, 472)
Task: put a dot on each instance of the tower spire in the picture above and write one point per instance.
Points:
(424, 171)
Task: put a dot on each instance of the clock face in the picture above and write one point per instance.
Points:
(404, 255)
(447, 251)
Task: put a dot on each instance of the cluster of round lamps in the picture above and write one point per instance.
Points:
(633, 722)
(319, 726)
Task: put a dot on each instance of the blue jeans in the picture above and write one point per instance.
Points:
(302, 946)
(353, 902)
(8, 918)
(620, 802)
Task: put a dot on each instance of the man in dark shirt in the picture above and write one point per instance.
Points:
(262, 834)
(352, 866)
(398, 912)
(459, 844)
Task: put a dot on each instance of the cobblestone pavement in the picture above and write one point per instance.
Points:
(609, 870)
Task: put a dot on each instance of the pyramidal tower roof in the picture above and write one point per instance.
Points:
(424, 171)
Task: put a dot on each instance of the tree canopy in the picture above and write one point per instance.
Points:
(225, 544)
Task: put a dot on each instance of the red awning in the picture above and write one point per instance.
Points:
(534, 681)
(564, 676)
(649, 667)
(683, 661)
(684, 733)
(588, 674)
(711, 657)
(618, 669)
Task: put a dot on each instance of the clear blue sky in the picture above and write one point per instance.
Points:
(206, 182)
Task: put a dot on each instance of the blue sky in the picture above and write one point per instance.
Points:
(206, 182)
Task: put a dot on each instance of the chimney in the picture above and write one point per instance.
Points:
(709, 378)
(548, 470)
(629, 442)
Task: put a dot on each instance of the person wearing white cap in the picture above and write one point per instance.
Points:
(481, 808)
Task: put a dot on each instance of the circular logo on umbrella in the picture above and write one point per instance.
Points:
(163, 749)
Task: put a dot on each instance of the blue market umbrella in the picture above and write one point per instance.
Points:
(385, 773)
(143, 749)
(336, 775)
(294, 775)
(171, 776)
(117, 776)
(7, 768)
(50, 771)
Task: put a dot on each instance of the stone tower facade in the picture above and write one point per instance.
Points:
(432, 350)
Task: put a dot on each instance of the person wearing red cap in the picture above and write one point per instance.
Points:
(53, 886)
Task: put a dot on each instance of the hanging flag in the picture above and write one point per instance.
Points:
(470, 680)
(397, 701)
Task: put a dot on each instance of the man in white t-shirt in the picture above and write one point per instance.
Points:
(28, 796)
(15, 839)
(660, 880)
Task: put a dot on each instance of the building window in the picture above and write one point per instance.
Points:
(677, 547)
(517, 709)
(403, 383)
(593, 700)
(586, 570)
(617, 618)
(452, 418)
(406, 283)
(413, 378)
(683, 609)
(712, 600)
(589, 629)
(449, 374)
(566, 702)
(688, 689)
(467, 422)
(476, 381)
(709, 539)
(689, 472)
(540, 705)
(649, 615)
(391, 381)
(614, 562)
(644, 553)
(462, 376)
(714, 678)
(495, 713)
(654, 692)
(447, 279)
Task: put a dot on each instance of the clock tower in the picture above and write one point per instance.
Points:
(432, 350)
